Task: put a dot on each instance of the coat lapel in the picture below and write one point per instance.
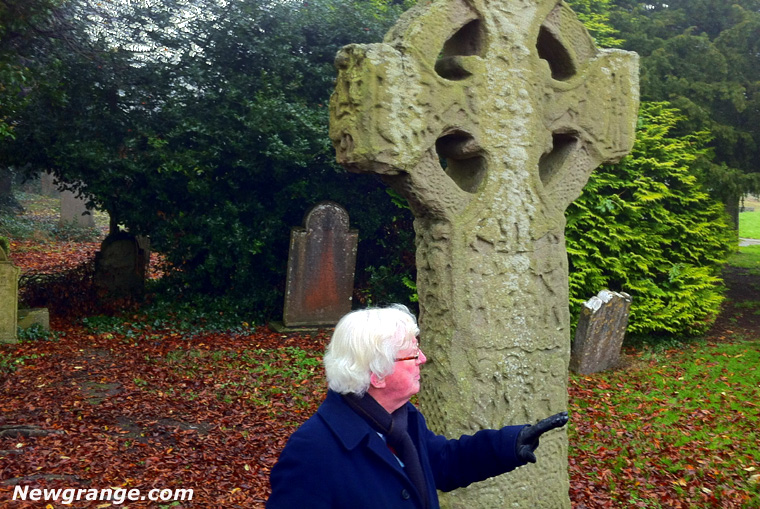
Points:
(351, 431)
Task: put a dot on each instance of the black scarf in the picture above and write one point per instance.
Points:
(394, 427)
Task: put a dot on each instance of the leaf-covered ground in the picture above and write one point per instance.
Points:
(677, 428)
(144, 408)
(123, 403)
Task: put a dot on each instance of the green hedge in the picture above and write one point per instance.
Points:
(648, 227)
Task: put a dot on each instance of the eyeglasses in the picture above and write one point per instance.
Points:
(411, 357)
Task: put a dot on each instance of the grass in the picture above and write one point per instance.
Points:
(749, 225)
(679, 428)
(748, 257)
(683, 423)
(749, 222)
(40, 222)
(256, 375)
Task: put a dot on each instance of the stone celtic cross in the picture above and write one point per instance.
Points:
(488, 116)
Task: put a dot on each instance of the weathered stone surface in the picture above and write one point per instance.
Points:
(521, 106)
(320, 268)
(35, 316)
(121, 265)
(73, 210)
(47, 185)
(9, 274)
(600, 332)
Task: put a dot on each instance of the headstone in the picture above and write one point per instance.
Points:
(74, 210)
(600, 332)
(9, 275)
(35, 316)
(488, 116)
(121, 265)
(321, 266)
(47, 185)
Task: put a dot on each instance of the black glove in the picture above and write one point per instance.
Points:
(527, 440)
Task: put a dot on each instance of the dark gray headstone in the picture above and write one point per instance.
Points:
(121, 265)
(320, 268)
(600, 332)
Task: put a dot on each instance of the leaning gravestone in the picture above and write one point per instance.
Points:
(600, 332)
(74, 210)
(121, 265)
(9, 274)
(488, 116)
(321, 265)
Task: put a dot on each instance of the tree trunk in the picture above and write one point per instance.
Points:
(8, 202)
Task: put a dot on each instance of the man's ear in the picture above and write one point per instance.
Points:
(376, 382)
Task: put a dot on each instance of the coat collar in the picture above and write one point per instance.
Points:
(352, 431)
(348, 426)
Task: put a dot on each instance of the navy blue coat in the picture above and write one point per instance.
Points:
(335, 460)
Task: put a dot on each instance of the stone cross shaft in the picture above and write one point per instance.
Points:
(488, 116)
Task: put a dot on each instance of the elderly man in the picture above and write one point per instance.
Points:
(367, 447)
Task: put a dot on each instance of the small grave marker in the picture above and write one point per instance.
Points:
(600, 332)
(121, 265)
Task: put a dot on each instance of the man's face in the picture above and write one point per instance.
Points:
(404, 382)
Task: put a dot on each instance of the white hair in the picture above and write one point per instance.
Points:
(367, 341)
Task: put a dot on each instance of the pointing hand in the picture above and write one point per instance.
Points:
(527, 440)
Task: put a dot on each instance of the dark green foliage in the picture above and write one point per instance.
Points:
(20, 21)
(186, 318)
(390, 272)
(647, 227)
(702, 57)
(217, 153)
(36, 332)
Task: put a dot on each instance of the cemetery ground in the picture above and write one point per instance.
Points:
(156, 401)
